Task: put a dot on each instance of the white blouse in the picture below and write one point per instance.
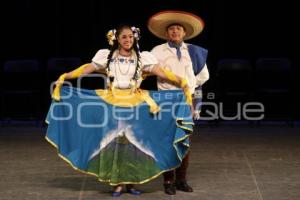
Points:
(123, 68)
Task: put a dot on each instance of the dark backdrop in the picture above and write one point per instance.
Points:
(248, 29)
(32, 29)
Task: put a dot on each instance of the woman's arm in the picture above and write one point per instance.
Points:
(82, 70)
(169, 76)
(101, 71)
(176, 80)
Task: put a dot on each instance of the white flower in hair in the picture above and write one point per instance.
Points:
(133, 28)
(136, 32)
(111, 36)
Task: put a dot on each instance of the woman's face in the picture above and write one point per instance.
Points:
(126, 39)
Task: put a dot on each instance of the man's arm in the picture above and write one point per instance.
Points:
(202, 76)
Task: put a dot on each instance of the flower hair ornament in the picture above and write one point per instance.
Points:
(136, 33)
(111, 36)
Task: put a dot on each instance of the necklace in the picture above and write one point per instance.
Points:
(128, 54)
(126, 71)
(119, 72)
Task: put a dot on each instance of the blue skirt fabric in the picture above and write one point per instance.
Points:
(120, 145)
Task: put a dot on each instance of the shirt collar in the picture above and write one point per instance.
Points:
(183, 46)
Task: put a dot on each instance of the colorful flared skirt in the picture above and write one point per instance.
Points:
(115, 137)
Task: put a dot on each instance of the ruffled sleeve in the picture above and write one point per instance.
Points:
(148, 61)
(100, 59)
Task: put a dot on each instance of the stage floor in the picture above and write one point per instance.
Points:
(228, 162)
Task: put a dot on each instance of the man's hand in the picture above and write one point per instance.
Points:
(196, 114)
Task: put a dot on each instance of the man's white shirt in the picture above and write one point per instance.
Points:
(167, 58)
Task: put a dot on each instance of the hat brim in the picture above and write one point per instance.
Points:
(159, 23)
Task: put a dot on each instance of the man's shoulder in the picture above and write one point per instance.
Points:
(159, 47)
(194, 46)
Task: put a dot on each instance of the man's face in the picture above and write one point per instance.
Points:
(175, 33)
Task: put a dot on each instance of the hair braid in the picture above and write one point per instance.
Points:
(137, 73)
(109, 58)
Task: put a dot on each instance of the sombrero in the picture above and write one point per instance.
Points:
(160, 21)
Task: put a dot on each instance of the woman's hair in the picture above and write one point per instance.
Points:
(135, 47)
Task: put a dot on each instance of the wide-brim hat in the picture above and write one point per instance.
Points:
(160, 21)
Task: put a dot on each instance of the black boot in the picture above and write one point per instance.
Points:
(170, 188)
(183, 186)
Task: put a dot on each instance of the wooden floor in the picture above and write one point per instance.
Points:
(228, 162)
